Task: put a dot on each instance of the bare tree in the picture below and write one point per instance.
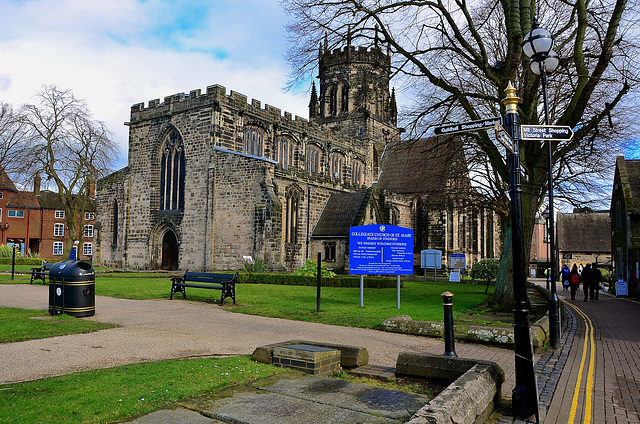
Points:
(455, 58)
(69, 149)
(13, 144)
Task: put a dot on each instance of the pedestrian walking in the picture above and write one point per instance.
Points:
(596, 282)
(564, 276)
(574, 281)
(586, 278)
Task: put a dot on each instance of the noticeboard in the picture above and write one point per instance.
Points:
(380, 250)
(457, 260)
(431, 258)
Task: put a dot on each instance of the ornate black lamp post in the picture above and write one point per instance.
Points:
(538, 46)
(525, 394)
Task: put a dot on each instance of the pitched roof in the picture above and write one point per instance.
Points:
(340, 213)
(5, 181)
(51, 200)
(633, 179)
(23, 199)
(421, 166)
(584, 232)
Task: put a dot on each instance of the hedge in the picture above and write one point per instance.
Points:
(21, 261)
(297, 280)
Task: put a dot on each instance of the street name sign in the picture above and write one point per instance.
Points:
(482, 124)
(546, 132)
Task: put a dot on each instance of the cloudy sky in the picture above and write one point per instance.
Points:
(115, 53)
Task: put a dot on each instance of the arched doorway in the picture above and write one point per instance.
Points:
(169, 251)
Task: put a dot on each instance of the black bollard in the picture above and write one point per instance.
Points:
(13, 262)
(449, 344)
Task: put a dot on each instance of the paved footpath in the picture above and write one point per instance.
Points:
(601, 378)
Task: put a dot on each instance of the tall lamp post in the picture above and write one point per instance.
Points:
(538, 46)
(545, 215)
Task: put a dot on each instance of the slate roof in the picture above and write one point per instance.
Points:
(633, 175)
(421, 166)
(23, 199)
(5, 181)
(584, 232)
(51, 200)
(341, 212)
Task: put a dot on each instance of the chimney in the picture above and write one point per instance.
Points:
(37, 181)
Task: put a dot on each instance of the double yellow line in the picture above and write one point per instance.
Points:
(589, 346)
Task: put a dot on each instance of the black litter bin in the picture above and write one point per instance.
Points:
(72, 289)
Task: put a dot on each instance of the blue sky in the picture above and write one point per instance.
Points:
(116, 53)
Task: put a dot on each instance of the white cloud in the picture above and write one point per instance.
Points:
(121, 52)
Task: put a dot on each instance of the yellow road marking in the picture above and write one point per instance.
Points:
(589, 345)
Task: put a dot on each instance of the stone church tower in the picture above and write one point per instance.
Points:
(213, 178)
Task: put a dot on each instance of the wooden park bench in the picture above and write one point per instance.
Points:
(205, 280)
(41, 272)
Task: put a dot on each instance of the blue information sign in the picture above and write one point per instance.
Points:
(380, 249)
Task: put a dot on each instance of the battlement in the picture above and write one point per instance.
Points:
(216, 95)
(351, 54)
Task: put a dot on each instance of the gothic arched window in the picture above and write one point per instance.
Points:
(344, 97)
(313, 159)
(172, 170)
(333, 101)
(285, 152)
(357, 172)
(293, 198)
(114, 224)
(336, 161)
(253, 139)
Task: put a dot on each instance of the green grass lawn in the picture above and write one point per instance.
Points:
(340, 306)
(111, 394)
(25, 324)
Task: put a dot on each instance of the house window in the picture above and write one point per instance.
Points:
(285, 152)
(58, 230)
(330, 251)
(253, 140)
(313, 159)
(172, 170)
(59, 215)
(58, 248)
(87, 249)
(88, 231)
(16, 214)
(1, 194)
(293, 198)
(89, 216)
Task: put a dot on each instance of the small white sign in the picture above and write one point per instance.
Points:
(454, 276)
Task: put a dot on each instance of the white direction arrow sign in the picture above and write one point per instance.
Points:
(546, 132)
(482, 124)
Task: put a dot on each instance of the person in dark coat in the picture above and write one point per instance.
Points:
(574, 281)
(596, 282)
(586, 279)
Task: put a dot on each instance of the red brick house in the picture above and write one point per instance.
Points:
(35, 222)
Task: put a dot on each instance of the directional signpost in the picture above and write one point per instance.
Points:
(546, 132)
(483, 124)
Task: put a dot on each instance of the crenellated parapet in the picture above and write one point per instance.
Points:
(215, 97)
(374, 56)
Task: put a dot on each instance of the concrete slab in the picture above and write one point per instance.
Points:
(254, 406)
(174, 416)
(364, 398)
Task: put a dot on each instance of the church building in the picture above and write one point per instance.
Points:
(213, 178)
